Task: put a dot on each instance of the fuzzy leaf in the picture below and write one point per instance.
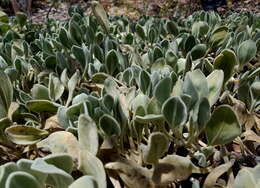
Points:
(246, 51)
(226, 61)
(28, 181)
(175, 112)
(189, 43)
(6, 94)
(149, 118)
(248, 177)
(56, 177)
(195, 85)
(218, 36)
(64, 39)
(172, 28)
(109, 125)
(255, 90)
(112, 62)
(61, 142)
(91, 165)
(140, 31)
(42, 106)
(145, 82)
(215, 82)
(157, 145)
(84, 181)
(198, 51)
(101, 15)
(203, 113)
(5, 170)
(25, 165)
(200, 28)
(21, 18)
(72, 83)
(56, 88)
(75, 32)
(223, 126)
(78, 52)
(87, 133)
(163, 89)
(39, 92)
(58, 160)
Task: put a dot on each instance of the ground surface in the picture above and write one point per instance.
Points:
(134, 8)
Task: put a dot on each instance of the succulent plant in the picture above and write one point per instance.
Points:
(97, 100)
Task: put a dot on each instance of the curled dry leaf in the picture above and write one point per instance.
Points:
(216, 173)
(52, 124)
(257, 120)
(131, 173)
(251, 136)
(173, 168)
(243, 116)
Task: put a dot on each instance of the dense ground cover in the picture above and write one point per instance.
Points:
(153, 102)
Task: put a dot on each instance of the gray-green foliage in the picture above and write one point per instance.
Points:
(49, 170)
(96, 91)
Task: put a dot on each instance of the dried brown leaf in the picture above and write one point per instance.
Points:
(173, 168)
(131, 173)
(251, 136)
(52, 124)
(243, 116)
(212, 178)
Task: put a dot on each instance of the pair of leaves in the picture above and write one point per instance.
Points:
(210, 89)
(195, 85)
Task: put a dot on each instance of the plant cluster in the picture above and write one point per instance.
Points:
(97, 101)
